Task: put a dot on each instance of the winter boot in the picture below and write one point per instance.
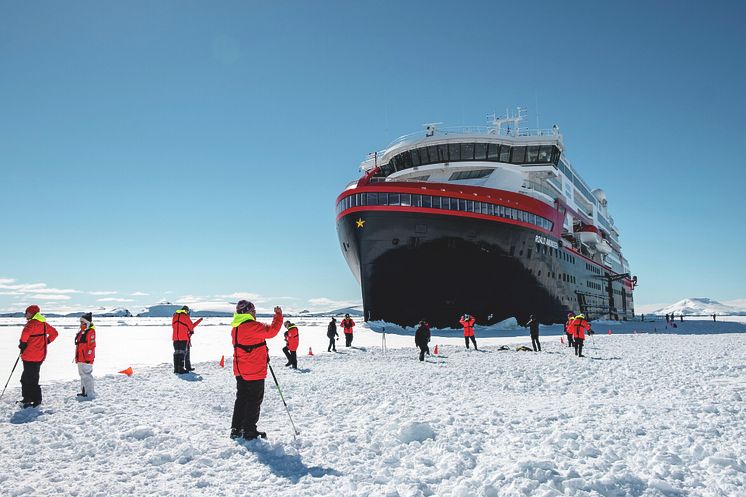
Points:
(236, 433)
(179, 365)
(254, 435)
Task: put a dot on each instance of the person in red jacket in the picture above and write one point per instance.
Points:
(85, 352)
(250, 358)
(467, 322)
(183, 329)
(568, 329)
(35, 337)
(290, 348)
(579, 328)
(347, 325)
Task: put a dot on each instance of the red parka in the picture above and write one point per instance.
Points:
(85, 345)
(347, 324)
(37, 334)
(183, 326)
(249, 345)
(291, 337)
(468, 325)
(568, 325)
(578, 327)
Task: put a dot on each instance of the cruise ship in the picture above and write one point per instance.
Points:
(492, 221)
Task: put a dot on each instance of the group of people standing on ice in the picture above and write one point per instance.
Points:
(35, 338)
(576, 329)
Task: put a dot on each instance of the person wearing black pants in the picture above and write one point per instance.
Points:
(422, 338)
(533, 325)
(579, 346)
(246, 409)
(30, 388)
(331, 333)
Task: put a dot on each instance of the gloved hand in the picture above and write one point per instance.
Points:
(22, 346)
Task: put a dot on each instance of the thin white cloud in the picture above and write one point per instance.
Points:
(327, 304)
(49, 296)
(35, 288)
(104, 292)
(254, 297)
(114, 299)
(139, 294)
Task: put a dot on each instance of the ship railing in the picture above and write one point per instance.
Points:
(541, 188)
(478, 130)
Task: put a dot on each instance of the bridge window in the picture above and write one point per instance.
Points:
(518, 156)
(416, 200)
(406, 199)
(532, 154)
(545, 154)
(504, 153)
(478, 173)
(427, 201)
(393, 199)
(467, 151)
(493, 152)
(454, 152)
(480, 151)
(415, 157)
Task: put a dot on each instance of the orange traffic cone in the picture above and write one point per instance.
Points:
(562, 340)
(222, 361)
(609, 331)
(310, 352)
(127, 371)
(435, 352)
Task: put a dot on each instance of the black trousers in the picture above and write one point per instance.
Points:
(535, 343)
(30, 388)
(249, 396)
(570, 339)
(332, 345)
(424, 349)
(473, 340)
(292, 356)
(348, 339)
(180, 355)
(579, 346)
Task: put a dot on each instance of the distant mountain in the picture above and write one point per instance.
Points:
(97, 313)
(700, 307)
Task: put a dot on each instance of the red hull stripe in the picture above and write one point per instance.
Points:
(488, 195)
(442, 212)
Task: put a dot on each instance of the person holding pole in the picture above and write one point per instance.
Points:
(85, 352)
(533, 326)
(250, 359)
(35, 337)
(183, 329)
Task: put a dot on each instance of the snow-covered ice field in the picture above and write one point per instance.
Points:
(649, 414)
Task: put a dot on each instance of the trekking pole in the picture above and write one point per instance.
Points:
(383, 341)
(11, 375)
(295, 431)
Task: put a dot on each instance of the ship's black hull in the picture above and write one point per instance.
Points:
(414, 266)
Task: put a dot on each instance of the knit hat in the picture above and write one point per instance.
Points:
(33, 309)
(186, 309)
(87, 317)
(245, 307)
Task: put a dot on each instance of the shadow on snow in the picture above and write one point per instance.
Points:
(288, 466)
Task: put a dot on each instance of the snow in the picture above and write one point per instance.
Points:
(646, 414)
(699, 306)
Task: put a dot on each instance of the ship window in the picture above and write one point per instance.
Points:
(372, 199)
(387, 169)
(446, 203)
(393, 199)
(532, 218)
(383, 198)
(504, 153)
(545, 154)
(518, 156)
(363, 199)
(436, 202)
(415, 157)
(427, 201)
(407, 157)
(416, 200)
(442, 153)
(454, 152)
(406, 199)
(555, 155)
(467, 151)
(469, 206)
(532, 154)
(480, 151)
(493, 152)
(397, 163)
(353, 201)
(433, 153)
(474, 174)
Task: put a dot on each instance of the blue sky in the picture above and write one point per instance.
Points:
(195, 149)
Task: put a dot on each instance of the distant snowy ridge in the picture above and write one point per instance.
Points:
(100, 312)
(700, 306)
